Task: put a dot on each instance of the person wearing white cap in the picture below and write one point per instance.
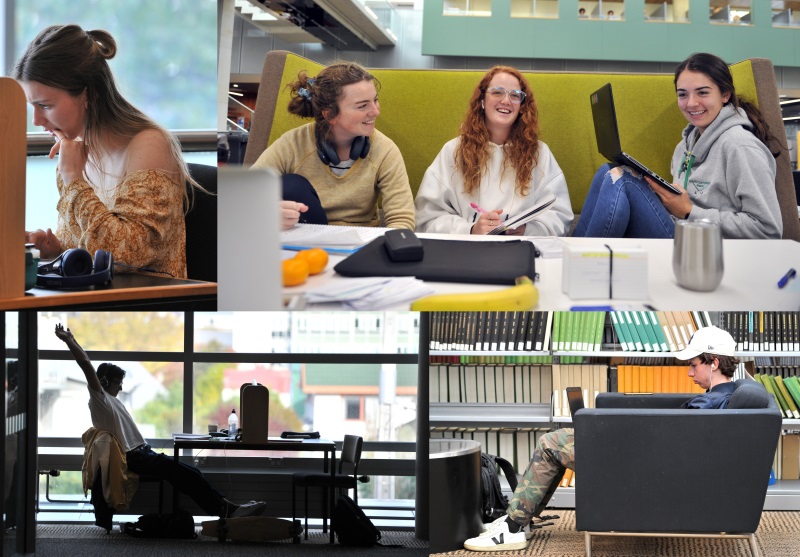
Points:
(712, 363)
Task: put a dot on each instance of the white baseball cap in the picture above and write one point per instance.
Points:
(711, 340)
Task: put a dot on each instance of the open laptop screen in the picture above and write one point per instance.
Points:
(575, 400)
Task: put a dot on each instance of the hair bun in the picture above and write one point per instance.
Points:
(105, 42)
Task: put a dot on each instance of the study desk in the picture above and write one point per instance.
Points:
(750, 281)
(126, 290)
(305, 445)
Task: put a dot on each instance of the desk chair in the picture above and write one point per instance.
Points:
(351, 455)
(201, 225)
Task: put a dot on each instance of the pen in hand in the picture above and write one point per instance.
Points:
(786, 278)
(478, 208)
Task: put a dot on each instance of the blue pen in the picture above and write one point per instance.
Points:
(786, 278)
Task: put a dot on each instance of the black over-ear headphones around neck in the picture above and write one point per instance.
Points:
(75, 268)
(328, 155)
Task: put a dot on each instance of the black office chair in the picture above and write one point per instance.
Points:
(201, 226)
(351, 455)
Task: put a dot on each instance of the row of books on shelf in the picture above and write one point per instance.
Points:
(509, 360)
(490, 330)
(579, 331)
(777, 331)
(785, 390)
(516, 445)
(526, 383)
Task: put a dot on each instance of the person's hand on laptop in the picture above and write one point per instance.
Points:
(678, 206)
(290, 213)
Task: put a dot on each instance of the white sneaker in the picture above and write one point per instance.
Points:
(252, 508)
(497, 538)
(489, 525)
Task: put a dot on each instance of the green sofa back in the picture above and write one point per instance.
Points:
(423, 109)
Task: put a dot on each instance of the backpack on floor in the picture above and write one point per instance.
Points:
(493, 502)
(352, 526)
(175, 526)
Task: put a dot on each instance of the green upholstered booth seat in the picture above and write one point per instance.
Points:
(422, 109)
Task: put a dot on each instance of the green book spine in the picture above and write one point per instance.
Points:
(621, 334)
(787, 397)
(793, 386)
(637, 342)
(659, 331)
(641, 330)
(650, 330)
(773, 388)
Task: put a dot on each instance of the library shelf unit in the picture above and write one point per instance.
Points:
(783, 495)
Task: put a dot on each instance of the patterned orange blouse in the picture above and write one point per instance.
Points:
(140, 222)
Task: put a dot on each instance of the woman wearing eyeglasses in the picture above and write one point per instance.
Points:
(496, 168)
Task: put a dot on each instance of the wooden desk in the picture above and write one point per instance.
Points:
(126, 290)
(750, 282)
(306, 445)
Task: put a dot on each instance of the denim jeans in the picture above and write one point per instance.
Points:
(186, 479)
(623, 207)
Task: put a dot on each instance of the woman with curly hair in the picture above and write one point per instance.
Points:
(497, 163)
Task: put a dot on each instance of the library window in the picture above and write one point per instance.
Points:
(602, 9)
(730, 12)
(169, 390)
(786, 13)
(667, 10)
(475, 8)
(546, 9)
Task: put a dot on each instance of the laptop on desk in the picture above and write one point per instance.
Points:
(606, 132)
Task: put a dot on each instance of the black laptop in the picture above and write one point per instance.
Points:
(575, 400)
(607, 134)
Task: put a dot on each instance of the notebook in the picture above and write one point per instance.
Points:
(606, 132)
(575, 400)
(333, 239)
(519, 220)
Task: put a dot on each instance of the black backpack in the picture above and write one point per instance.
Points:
(352, 526)
(493, 502)
(175, 526)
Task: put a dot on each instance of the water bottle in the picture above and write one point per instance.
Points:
(233, 423)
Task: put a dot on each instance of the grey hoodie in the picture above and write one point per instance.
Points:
(732, 179)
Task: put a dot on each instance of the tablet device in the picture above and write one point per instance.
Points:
(575, 400)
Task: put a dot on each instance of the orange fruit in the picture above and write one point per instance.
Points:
(295, 271)
(317, 259)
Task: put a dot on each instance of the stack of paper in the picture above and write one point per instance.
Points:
(371, 293)
(334, 239)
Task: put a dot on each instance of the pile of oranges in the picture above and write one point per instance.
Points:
(306, 262)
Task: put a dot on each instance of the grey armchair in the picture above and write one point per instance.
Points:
(644, 467)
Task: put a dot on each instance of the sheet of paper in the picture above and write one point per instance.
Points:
(520, 219)
(315, 235)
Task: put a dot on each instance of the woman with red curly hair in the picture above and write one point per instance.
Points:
(496, 168)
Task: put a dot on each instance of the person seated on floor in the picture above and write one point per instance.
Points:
(339, 164)
(710, 353)
(498, 163)
(109, 414)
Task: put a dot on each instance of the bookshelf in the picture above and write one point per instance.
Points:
(498, 422)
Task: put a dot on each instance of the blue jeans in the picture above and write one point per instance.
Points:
(623, 207)
(186, 479)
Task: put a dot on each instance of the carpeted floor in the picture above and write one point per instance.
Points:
(61, 540)
(778, 535)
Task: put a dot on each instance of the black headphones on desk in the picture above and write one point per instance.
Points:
(75, 268)
(328, 155)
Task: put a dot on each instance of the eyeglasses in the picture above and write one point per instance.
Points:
(499, 93)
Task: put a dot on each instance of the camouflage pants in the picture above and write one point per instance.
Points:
(555, 451)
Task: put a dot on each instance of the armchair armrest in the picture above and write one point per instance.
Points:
(652, 400)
